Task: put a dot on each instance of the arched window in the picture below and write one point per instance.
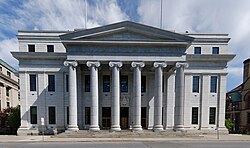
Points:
(247, 100)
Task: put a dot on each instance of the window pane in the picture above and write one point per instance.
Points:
(106, 83)
(124, 83)
(8, 74)
(87, 115)
(67, 83)
(212, 115)
(31, 48)
(215, 50)
(196, 84)
(50, 48)
(51, 79)
(87, 83)
(143, 84)
(8, 91)
(213, 84)
(33, 115)
(32, 82)
(194, 115)
(197, 50)
(52, 115)
(67, 115)
(248, 118)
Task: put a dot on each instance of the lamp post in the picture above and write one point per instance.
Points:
(234, 118)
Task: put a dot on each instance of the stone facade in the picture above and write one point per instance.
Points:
(122, 76)
(9, 91)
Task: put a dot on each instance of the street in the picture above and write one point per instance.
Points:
(159, 144)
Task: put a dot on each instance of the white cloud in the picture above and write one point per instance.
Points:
(6, 46)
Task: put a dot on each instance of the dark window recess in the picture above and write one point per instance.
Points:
(248, 118)
(212, 115)
(67, 83)
(8, 104)
(50, 48)
(194, 115)
(67, 115)
(32, 82)
(33, 115)
(106, 83)
(87, 115)
(51, 82)
(31, 48)
(124, 83)
(8, 74)
(196, 84)
(197, 50)
(215, 50)
(87, 83)
(213, 84)
(143, 84)
(8, 91)
(52, 115)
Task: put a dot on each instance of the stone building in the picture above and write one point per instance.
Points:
(122, 76)
(9, 88)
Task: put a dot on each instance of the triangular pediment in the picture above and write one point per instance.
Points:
(125, 31)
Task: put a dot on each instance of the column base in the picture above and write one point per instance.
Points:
(115, 128)
(136, 128)
(24, 131)
(158, 128)
(72, 128)
(179, 128)
(94, 128)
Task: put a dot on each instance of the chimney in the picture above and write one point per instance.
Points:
(246, 72)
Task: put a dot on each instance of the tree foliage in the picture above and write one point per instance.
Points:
(229, 124)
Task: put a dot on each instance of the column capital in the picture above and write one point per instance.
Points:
(70, 63)
(114, 64)
(160, 64)
(137, 64)
(92, 63)
(179, 64)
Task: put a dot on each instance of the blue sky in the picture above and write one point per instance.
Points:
(204, 16)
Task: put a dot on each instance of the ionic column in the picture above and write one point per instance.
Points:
(93, 66)
(72, 96)
(137, 95)
(179, 96)
(115, 110)
(158, 96)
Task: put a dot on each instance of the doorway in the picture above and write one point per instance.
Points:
(124, 117)
(144, 117)
(106, 117)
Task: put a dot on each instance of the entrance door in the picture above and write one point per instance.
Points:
(106, 117)
(124, 117)
(144, 117)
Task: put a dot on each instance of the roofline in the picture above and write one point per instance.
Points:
(8, 66)
(45, 31)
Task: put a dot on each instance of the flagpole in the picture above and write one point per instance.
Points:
(86, 14)
(161, 17)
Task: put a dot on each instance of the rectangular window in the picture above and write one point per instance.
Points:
(51, 82)
(8, 104)
(212, 115)
(50, 48)
(33, 115)
(31, 48)
(67, 83)
(67, 115)
(106, 83)
(124, 83)
(213, 84)
(1, 69)
(8, 74)
(87, 115)
(197, 50)
(196, 84)
(143, 84)
(215, 50)
(194, 115)
(52, 115)
(248, 118)
(8, 91)
(87, 83)
(32, 82)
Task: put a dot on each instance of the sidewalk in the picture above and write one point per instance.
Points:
(11, 138)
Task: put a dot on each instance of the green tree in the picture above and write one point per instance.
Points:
(229, 124)
(13, 118)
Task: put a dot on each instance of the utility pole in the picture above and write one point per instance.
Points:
(161, 19)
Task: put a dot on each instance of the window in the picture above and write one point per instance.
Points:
(194, 115)
(124, 83)
(32, 82)
(8, 104)
(212, 112)
(196, 84)
(31, 48)
(67, 83)
(87, 83)
(8, 74)
(215, 50)
(52, 115)
(213, 84)
(143, 84)
(33, 115)
(87, 115)
(1, 69)
(50, 48)
(51, 82)
(197, 50)
(8, 91)
(106, 83)
(67, 115)
(248, 118)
